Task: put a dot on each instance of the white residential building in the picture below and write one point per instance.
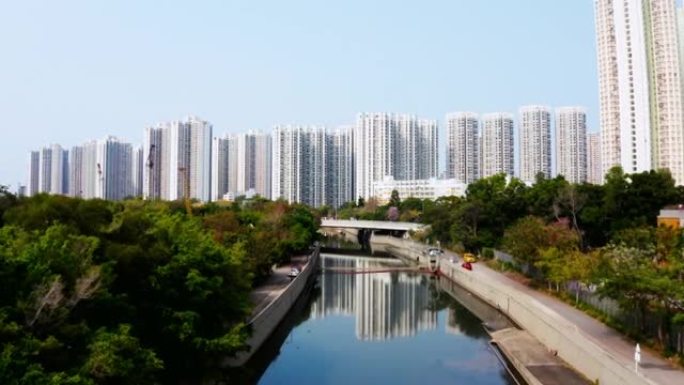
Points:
(571, 143)
(594, 164)
(463, 147)
(54, 170)
(640, 85)
(34, 173)
(200, 158)
(497, 144)
(373, 151)
(88, 169)
(423, 156)
(339, 167)
(83, 170)
(75, 171)
(254, 163)
(241, 165)
(299, 164)
(535, 142)
(262, 152)
(224, 166)
(45, 170)
(623, 85)
(137, 165)
(666, 88)
(400, 146)
(178, 156)
(152, 163)
(114, 169)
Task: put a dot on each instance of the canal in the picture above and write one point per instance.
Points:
(387, 327)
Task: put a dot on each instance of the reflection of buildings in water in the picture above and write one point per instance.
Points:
(385, 305)
(451, 326)
(337, 290)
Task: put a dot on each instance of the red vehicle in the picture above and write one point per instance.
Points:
(467, 265)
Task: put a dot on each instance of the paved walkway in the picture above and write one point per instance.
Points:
(653, 366)
(269, 290)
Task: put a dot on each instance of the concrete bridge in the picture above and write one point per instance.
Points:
(371, 225)
(363, 230)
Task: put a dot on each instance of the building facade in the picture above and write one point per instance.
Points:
(33, 184)
(299, 164)
(667, 127)
(418, 188)
(200, 158)
(535, 142)
(262, 164)
(137, 165)
(400, 146)
(339, 167)
(594, 164)
(178, 160)
(571, 143)
(96, 169)
(463, 147)
(152, 163)
(497, 144)
(53, 170)
(640, 85)
(224, 166)
(76, 171)
(114, 169)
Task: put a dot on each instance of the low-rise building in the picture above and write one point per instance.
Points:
(672, 216)
(417, 188)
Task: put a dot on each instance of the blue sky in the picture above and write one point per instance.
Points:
(78, 70)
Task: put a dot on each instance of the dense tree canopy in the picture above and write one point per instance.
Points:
(98, 292)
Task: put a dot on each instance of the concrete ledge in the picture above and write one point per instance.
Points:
(533, 361)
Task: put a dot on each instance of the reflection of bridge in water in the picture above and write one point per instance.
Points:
(385, 305)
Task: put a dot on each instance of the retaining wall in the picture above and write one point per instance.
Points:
(264, 323)
(405, 249)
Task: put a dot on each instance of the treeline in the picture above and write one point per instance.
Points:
(134, 292)
(603, 237)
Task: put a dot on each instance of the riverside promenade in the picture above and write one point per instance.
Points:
(272, 301)
(595, 349)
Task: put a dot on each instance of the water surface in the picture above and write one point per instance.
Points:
(379, 328)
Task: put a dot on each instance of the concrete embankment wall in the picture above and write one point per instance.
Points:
(490, 316)
(553, 331)
(405, 249)
(264, 323)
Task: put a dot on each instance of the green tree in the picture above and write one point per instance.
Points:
(7, 201)
(541, 199)
(528, 239)
(116, 357)
(394, 201)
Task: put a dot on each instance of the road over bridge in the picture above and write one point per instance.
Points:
(364, 230)
(371, 225)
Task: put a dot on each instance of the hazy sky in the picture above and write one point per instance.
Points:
(71, 71)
